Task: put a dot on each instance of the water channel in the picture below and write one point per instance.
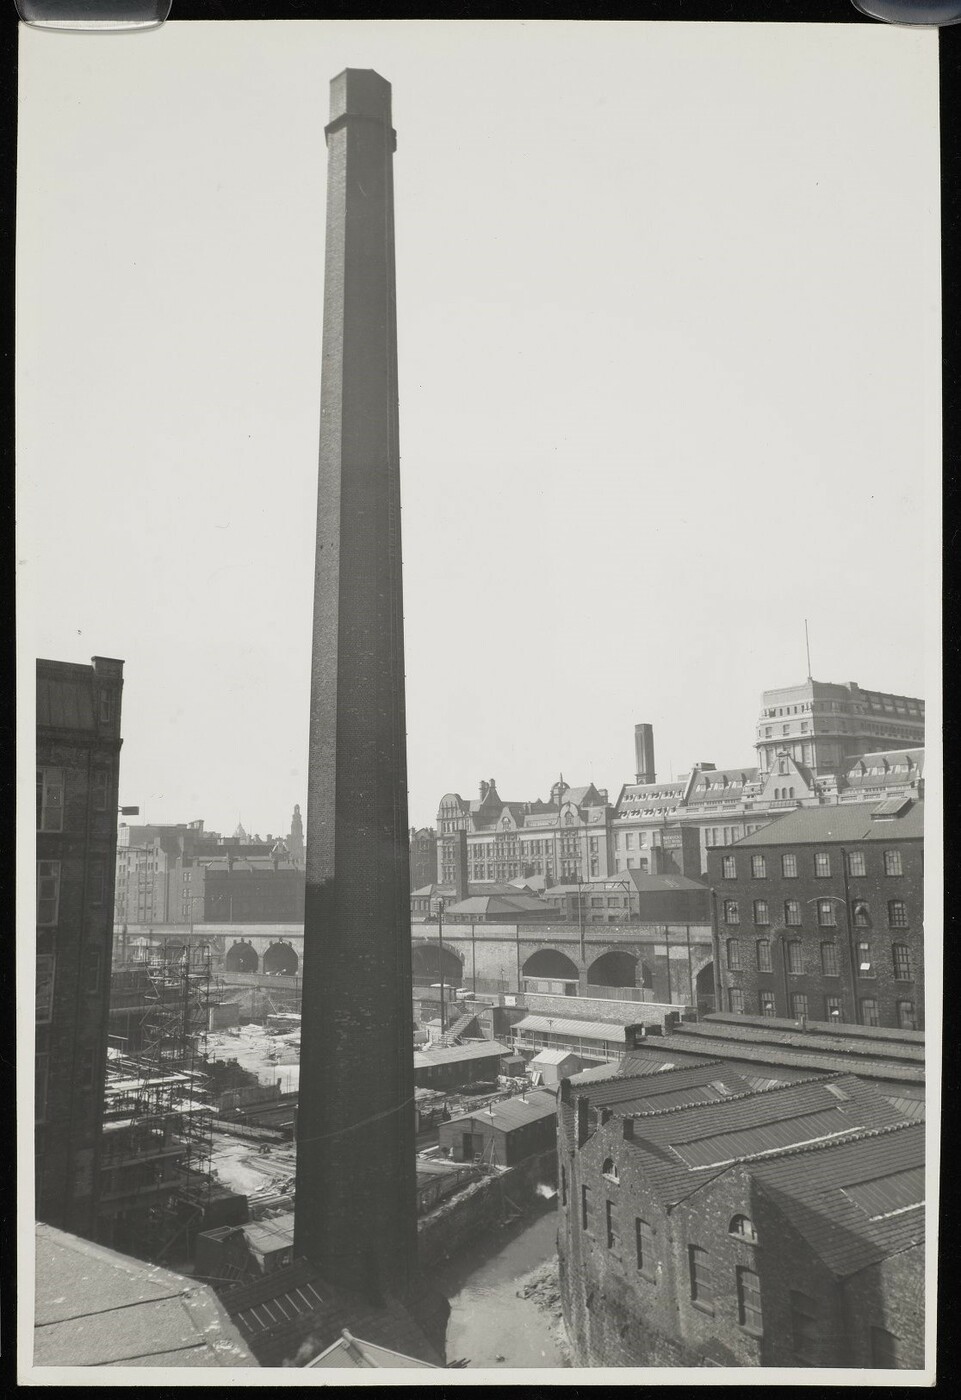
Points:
(489, 1324)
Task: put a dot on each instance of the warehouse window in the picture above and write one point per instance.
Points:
(644, 1242)
(764, 955)
(50, 799)
(892, 863)
(748, 1299)
(702, 1282)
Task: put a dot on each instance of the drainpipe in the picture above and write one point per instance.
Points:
(716, 948)
(851, 952)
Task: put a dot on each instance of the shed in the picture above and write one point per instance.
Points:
(448, 1066)
(555, 1065)
(504, 1133)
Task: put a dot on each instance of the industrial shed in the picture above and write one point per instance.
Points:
(504, 1133)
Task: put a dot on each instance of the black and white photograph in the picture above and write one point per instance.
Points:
(478, 573)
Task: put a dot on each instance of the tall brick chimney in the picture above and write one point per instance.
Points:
(644, 754)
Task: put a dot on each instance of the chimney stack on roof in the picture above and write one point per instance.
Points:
(644, 754)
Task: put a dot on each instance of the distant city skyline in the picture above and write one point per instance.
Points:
(663, 396)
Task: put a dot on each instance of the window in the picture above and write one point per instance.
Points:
(826, 915)
(792, 913)
(799, 1005)
(92, 963)
(735, 1000)
(50, 799)
(743, 1229)
(764, 955)
(892, 863)
(41, 1064)
(48, 892)
(901, 956)
(644, 1243)
(734, 954)
(748, 1299)
(702, 1282)
(829, 960)
(729, 868)
(585, 1207)
(98, 877)
(760, 912)
(45, 972)
(862, 914)
(869, 1012)
(106, 707)
(98, 787)
(897, 913)
(789, 867)
(563, 1186)
(758, 867)
(856, 864)
(768, 1007)
(833, 1009)
(609, 1169)
(906, 1017)
(804, 1327)
(731, 915)
(884, 1350)
(611, 1225)
(865, 965)
(822, 864)
(795, 956)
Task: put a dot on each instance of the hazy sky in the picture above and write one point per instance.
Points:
(668, 317)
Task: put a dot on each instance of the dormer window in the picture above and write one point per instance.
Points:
(742, 1228)
(609, 1170)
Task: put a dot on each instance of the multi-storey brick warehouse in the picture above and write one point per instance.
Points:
(821, 916)
(706, 1222)
(78, 762)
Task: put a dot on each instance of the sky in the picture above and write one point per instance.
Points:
(668, 350)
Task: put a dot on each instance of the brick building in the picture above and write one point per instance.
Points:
(820, 916)
(78, 766)
(706, 1222)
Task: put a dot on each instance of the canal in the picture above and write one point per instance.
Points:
(489, 1324)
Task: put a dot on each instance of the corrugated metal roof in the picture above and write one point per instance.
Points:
(788, 1034)
(612, 1031)
(553, 1057)
(769, 1054)
(456, 1054)
(840, 823)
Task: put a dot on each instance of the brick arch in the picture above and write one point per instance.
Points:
(281, 958)
(242, 957)
(430, 959)
(550, 963)
(617, 968)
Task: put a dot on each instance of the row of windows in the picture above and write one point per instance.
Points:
(828, 1008)
(857, 865)
(807, 1322)
(46, 976)
(50, 790)
(901, 960)
(826, 912)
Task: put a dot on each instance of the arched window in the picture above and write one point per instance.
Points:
(609, 1169)
(743, 1229)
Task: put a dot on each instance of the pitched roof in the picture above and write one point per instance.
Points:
(553, 1057)
(862, 1041)
(455, 1054)
(350, 1352)
(583, 1030)
(852, 822)
(683, 1146)
(857, 1202)
(96, 1307)
(294, 1312)
(514, 1112)
(806, 1057)
(708, 1082)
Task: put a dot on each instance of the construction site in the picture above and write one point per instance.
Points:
(200, 1118)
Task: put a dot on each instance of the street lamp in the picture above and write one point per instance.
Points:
(440, 944)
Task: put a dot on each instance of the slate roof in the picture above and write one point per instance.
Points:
(352, 1353)
(294, 1313)
(684, 1146)
(95, 1307)
(841, 823)
(787, 1033)
(809, 1188)
(667, 1088)
(498, 904)
(769, 1053)
(772, 1026)
(635, 1063)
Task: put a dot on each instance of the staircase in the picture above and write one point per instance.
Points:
(452, 1035)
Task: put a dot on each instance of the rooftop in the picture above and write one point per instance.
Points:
(95, 1307)
(350, 1352)
(841, 823)
(514, 1112)
(582, 1030)
(456, 1054)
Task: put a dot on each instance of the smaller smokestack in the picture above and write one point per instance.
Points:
(483, 789)
(644, 754)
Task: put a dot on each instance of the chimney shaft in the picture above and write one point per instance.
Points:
(644, 754)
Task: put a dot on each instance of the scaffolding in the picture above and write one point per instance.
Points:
(157, 1125)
